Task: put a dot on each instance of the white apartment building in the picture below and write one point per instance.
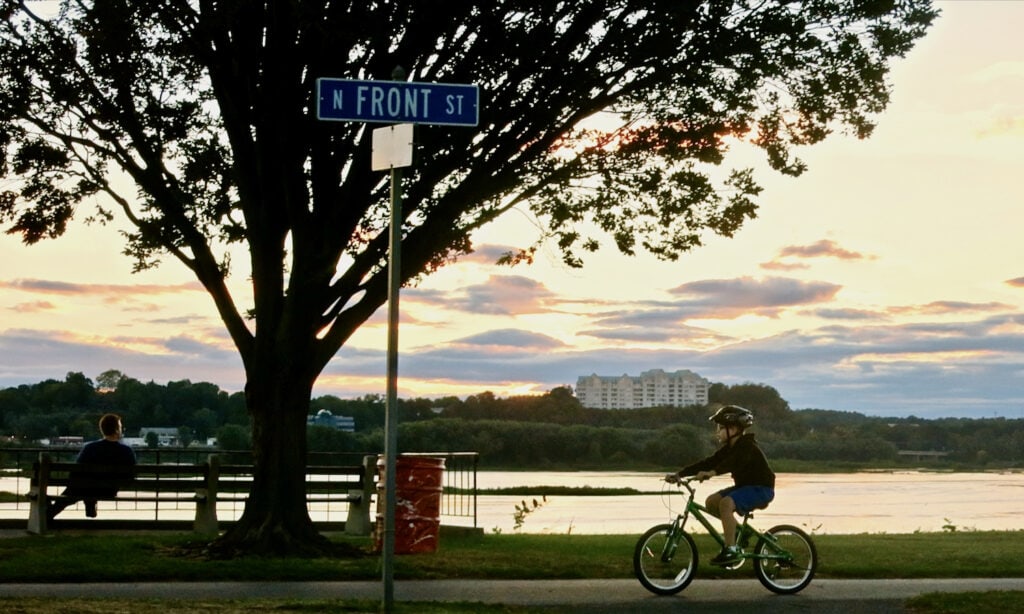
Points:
(654, 388)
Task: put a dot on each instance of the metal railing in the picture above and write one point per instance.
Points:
(459, 498)
(458, 501)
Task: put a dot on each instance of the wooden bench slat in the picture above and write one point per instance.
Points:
(144, 499)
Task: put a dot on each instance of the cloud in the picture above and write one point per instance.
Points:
(33, 307)
(667, 321)
(510, 338)
(487, 254)
(690, 336)
(183, 345)
(502, 295)
(44, 286)
(929, 369)
(822, 249)
(1017, 283)
(502, 355)
(783, 266)
(730, 298)
(43, 355)
(950, 307)
(181, 320)
(892, 369)
(848, 314)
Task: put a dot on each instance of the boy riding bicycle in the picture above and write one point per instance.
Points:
(753, 480)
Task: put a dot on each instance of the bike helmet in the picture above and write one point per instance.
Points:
(733, 415)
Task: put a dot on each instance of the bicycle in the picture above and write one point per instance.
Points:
(665, 558)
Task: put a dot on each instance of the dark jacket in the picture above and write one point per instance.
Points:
(743, 459)
(103, 452)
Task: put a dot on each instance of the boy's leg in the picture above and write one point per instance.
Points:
(712, 502)
(730, 553)
(727, 513)
(722, 505)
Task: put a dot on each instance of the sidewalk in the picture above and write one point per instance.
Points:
(823, 595)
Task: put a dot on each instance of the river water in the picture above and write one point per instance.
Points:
(882, 502)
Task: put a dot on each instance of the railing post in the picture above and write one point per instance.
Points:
(476, 464)
(206, 498)
(38, 501)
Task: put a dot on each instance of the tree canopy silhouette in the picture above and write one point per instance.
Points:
(606, 120)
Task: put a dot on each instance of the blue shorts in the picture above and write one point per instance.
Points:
(749, 498)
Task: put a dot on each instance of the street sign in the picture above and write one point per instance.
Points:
(392, 147)
(396, 102)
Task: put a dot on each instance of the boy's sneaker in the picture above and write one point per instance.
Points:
(728, 556)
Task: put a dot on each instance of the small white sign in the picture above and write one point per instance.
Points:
(392, 147)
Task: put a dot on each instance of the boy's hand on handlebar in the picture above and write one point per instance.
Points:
(705, 475)
(672, 478)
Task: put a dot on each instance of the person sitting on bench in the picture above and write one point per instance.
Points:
(106, 451)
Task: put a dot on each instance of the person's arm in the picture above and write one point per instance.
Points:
(702, 466)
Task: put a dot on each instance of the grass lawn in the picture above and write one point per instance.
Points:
(147, 557)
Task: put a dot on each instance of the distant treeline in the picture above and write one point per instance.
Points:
(551, 430)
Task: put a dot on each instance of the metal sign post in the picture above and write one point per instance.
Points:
(392, 149)
(394, 102)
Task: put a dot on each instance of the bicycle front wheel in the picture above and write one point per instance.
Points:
(665, 563)
(785, 559)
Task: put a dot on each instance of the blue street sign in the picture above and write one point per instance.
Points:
(394, 102)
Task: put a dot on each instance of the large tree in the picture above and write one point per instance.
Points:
(194, 121)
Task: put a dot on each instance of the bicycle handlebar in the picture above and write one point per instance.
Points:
(682, 480)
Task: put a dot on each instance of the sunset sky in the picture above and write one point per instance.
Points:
(888, 279)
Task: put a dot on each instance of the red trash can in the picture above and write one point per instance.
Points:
(418, 487)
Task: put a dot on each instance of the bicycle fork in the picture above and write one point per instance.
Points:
(672, 539)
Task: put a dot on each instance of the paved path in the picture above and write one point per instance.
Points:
(604, 596)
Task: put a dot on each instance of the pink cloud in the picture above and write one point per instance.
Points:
(943, 307)
(775, 265)
(34, 307)
(47, 286)
(822, 249)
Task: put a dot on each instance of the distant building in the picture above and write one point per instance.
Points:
(165, 436)
(326, 418)
(654, 388)
(68, 441)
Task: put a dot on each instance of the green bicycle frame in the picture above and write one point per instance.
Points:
(745, 533)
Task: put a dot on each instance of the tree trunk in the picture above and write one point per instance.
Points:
(276, 520)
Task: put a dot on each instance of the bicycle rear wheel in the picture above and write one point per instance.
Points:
(785, 559)
(665, 565)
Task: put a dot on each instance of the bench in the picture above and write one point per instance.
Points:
(203, 484)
